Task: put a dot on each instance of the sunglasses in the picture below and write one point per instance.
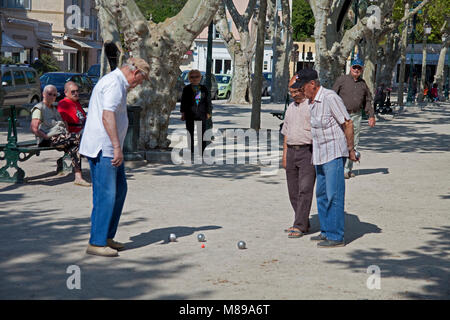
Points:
(74, 91)
(356, 68)
(194, 77)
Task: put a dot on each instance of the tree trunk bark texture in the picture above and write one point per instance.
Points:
(242, 51)
(162, 46)
(282, 47)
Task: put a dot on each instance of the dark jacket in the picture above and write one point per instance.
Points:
(189, 106)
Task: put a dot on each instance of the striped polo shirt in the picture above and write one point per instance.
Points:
(328, 113)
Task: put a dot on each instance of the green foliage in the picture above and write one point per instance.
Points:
(160, 10)
(46, 63)
(302, 20)
(435, 14)
(6, 60)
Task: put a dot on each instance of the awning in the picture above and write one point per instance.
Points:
(432, 58)
(86, 44)
(57, 46)
(9, 45)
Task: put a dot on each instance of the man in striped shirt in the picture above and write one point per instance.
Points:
(332, 133)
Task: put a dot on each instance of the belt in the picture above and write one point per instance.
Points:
(298, 147)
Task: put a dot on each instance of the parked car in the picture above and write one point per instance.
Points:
(94, 73)
(59, 79)
(21, 85)
(224, 86)
(184, 77)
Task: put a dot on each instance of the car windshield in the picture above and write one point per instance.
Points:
(94, 71)
(58, 78)
(223, 79)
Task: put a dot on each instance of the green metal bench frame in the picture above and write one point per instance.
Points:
(14, 152)
(280, 115)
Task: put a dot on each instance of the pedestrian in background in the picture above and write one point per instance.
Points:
(195, 108)
(356, 96)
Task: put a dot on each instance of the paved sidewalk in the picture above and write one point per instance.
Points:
(397, 219)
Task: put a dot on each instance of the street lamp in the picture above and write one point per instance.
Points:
(410, 98)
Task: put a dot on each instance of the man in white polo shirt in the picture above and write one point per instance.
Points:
(102, 143)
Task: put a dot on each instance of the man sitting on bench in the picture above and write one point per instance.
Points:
(51, 131)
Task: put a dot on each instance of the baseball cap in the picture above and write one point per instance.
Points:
(357, 62)
(303, 77)
(140, 64)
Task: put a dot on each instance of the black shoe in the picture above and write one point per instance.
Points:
(330, 244)
(320, 237)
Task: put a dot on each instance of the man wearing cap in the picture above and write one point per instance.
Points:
(332, 134)
(356, 95)
(297, 154)
(102, 143)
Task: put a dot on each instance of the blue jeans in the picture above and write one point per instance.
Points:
(109, 187)
(330, 194)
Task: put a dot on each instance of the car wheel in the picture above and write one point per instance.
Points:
(227, 96)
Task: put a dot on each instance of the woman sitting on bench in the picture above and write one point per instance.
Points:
(51, 131)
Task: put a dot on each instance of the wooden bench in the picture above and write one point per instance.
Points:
(13, 152)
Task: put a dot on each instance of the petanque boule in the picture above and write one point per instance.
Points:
(241, 245)
(172, 237)
(201, 237)
(357, 155)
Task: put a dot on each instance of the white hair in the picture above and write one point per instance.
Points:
(129, 66)
(48, 87)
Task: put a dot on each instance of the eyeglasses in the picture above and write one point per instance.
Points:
(356, 68)
(74, 91)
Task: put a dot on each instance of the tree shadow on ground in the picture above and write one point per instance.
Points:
(412, 133)
(51, 179)
(229, 172)
(428, 263)
(42, 244)
(362, 172)
(354, 228)
(162, 235)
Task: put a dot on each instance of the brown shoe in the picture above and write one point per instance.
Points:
(347, 175)
(101, 251)
(115, 245)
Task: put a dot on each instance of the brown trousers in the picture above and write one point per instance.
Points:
(300, 176)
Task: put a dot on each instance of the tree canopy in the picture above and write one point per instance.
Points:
(160, 10)
(302, 20)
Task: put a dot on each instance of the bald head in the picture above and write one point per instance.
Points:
(71, 91)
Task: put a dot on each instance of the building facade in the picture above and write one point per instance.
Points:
(67, 29)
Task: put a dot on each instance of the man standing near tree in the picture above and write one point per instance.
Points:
(356, 95)
(102, 144)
